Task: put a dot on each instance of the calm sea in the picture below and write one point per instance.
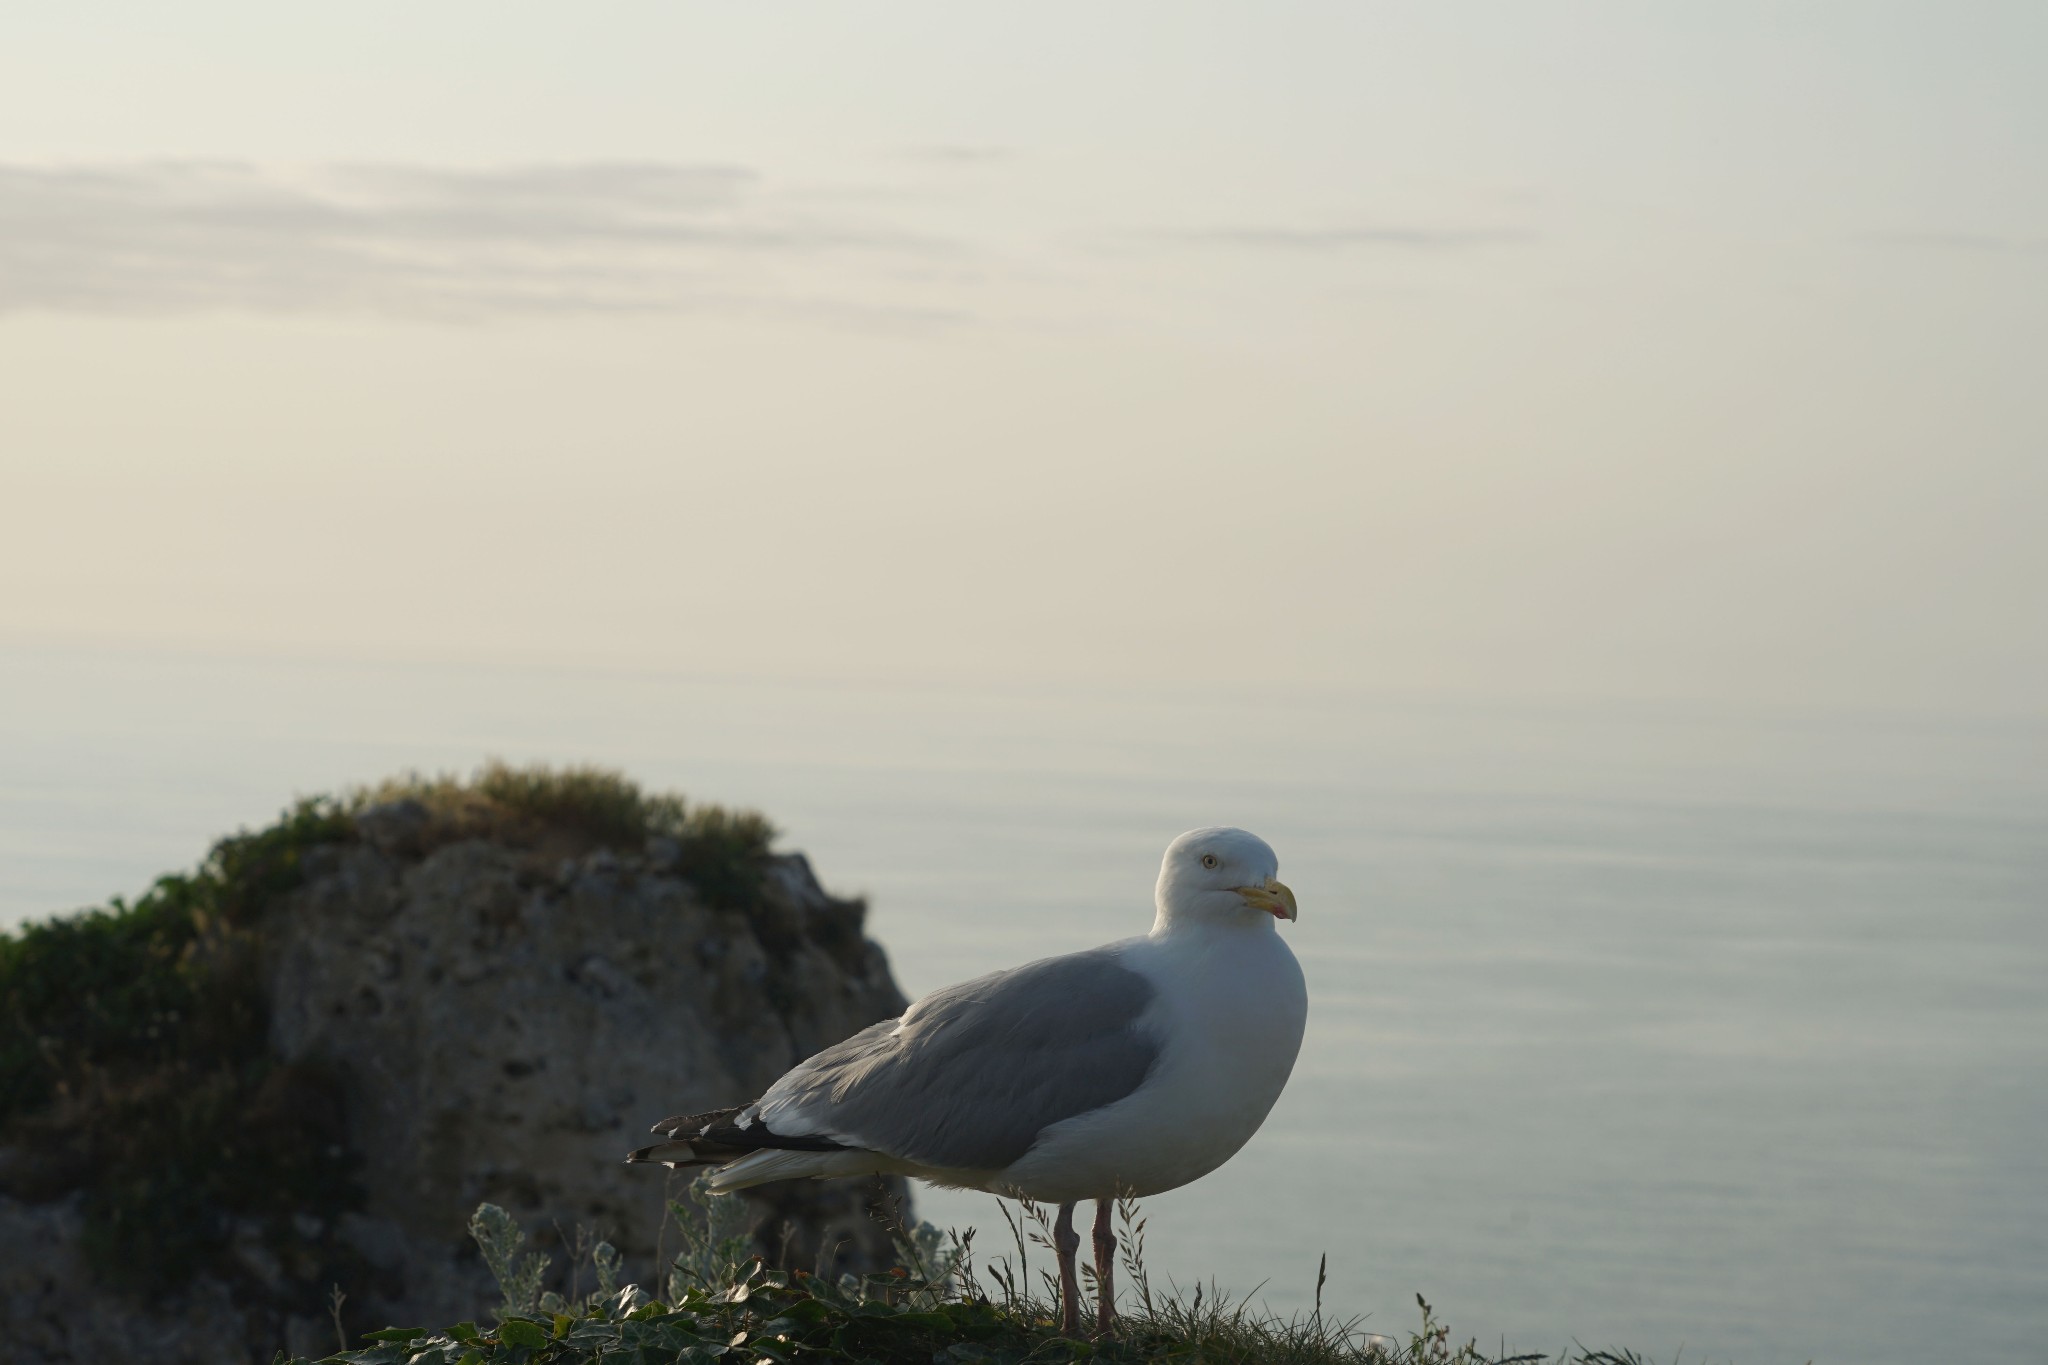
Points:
(1646, 1026)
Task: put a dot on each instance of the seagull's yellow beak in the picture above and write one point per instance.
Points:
(1274, 898)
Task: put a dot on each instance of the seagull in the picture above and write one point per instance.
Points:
(1124, 1070)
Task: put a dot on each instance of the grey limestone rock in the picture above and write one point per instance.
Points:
(507, 1035)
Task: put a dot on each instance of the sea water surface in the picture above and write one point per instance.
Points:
(1651, 1026)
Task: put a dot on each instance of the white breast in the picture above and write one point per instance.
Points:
(1230, 1011)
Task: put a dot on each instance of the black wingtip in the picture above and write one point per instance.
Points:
(675, 1124)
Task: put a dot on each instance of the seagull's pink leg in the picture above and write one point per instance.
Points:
(1066, 1241)
(1105, 1270)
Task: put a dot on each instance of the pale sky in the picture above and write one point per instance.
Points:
(1587, 351)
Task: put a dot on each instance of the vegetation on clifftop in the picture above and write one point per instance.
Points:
(134, 1052)
(933, 1308)
(718, 849)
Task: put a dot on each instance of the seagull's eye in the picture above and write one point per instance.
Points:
(1209, 860)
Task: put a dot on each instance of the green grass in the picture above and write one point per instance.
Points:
(934, 1308)
(134, 1057)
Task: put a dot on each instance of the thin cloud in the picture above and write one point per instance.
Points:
(960, 154)
(1979, 242)
(1331, 240)
(170, 237)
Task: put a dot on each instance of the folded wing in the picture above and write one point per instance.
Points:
(965, 1081)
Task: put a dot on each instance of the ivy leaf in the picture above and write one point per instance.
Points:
(520, 1332)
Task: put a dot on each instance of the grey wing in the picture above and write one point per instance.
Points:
(972, 1074)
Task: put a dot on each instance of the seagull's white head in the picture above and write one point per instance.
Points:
(1221, 876)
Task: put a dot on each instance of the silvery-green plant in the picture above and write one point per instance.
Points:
(606, 1258)
(499, 1238)
(716, 1232)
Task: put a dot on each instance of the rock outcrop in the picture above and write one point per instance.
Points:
(502, 1020)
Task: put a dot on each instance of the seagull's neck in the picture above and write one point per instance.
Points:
(1188, 928)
